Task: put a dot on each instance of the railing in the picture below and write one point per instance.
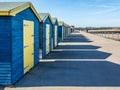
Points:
(108, 33)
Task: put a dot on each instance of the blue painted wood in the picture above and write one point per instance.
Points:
(47, 21)
(60, 29)
(62, 32)
(5, 39)
(56, 24)
(5, 73)
(11, 48)
(5, 56)
(17, 42)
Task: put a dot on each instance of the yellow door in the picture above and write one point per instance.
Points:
(28, 37)
(47, 38)
(55, 36)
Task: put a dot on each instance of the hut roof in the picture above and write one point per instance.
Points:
(12, 8)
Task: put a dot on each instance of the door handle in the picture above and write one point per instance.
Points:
(32, 35)
(26, 46)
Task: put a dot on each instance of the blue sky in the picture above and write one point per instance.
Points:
(81, 13)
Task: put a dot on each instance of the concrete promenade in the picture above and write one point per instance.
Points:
(81, 62)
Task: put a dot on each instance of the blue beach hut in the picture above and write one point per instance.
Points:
(46, 38)
(19, 40)
(55, 32)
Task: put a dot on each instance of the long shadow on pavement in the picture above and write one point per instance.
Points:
(77, 38)
(72, 73)
(77, 47)
(77, 55)
(1, 88)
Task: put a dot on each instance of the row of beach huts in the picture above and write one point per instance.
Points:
(23, 33)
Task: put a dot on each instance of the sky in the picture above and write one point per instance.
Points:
(81, 13)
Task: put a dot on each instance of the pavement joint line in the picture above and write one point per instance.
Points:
(53, 60)
(75, 50)
(74, 44)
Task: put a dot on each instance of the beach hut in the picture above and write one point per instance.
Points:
(66, 30)
(46, 38)
(72, 28)
(63, 31)
(69, 30)
(55, 32)
(19, 40)
(60, 31)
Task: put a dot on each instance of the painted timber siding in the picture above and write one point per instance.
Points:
(5, 39)
(63, 32)
(17, 42)
(66, 32)
(5, 73)
(47, 21)
(5, 49)
(56, 24)
(11, 48)
(60, 33)
(40, 35)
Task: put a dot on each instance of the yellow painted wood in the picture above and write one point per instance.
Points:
(4, 13)
(47, 15)
(16, 10)
(28, 45)
(47, 38)
(55, 36)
